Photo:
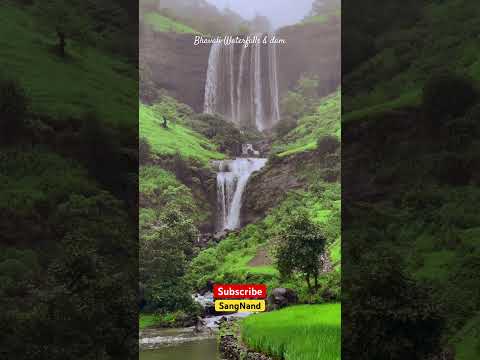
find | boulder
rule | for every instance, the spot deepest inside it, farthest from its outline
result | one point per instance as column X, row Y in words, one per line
column 281, row 297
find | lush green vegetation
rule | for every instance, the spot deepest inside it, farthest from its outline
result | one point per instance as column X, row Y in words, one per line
column 417, row 156
column 298, row 333
column 233, row 259
column 390, row 61
column 87, row 79
column 176, row 137
column 322, row 121
column 68, row 179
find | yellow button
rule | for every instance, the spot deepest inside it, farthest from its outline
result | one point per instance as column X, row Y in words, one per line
column 239, row 305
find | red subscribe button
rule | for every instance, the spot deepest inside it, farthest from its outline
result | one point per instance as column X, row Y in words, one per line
column 237, row 291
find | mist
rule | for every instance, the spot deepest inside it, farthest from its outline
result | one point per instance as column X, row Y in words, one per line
column 279, row 12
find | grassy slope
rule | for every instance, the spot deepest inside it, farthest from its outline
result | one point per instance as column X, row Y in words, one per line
column 325, row 120
column 400, row 69
column 309, row 332
column 161, row 23
column 177, row 138
column 87, row 79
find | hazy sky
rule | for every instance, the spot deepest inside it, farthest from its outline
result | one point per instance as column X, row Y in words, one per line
column 280, row 12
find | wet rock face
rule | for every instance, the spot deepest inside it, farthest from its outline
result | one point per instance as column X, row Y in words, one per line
column 176, row 65
column 179, row 67
column 268, row 187
column 311, row 49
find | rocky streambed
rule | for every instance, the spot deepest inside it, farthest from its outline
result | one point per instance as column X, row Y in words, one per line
column 231, row 346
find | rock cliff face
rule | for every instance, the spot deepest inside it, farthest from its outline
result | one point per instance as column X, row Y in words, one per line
column 267, row 188
column 181, row 68
column 176, row 65
column 311, row 49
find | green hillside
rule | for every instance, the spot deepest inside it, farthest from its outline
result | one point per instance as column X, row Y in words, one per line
column 406, row 56
column 176, row 138
column 324, row 120
column 415, row 186
column 87, row 78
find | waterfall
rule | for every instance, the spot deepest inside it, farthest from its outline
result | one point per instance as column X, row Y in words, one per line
column 212, row 76
column 272, row 57
column 242, row 83
column 257, row 78
column 232, row 179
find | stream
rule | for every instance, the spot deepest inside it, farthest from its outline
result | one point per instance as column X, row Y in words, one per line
column 184, row 343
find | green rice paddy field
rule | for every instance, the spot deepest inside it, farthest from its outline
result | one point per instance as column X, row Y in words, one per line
column 305, row 332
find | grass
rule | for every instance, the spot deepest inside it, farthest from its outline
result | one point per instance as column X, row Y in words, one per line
column 467, row 341
column 177, row 138
column 307, row 332
column 148, row 320
column 161, row 23
column 412, row 99
column 325, row 120
column 86, row 79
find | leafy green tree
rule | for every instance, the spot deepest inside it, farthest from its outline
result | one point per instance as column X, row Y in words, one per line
column 300, row 245
column 164, row 251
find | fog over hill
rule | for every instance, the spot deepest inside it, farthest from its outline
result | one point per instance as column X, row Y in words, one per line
column 279, row 12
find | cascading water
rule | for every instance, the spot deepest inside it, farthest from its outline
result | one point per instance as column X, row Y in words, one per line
column 232, row 179
column 242, row 83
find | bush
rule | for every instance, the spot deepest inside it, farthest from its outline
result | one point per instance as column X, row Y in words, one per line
column 285, row 126
column 144, row 151
column 13, row 108
column 448, row 96
column 327, row 144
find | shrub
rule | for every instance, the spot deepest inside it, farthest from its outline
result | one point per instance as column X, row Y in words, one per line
column 448, row 96
column 285, row 125
column 144, row 151
column 327, row 144
column 13, row 108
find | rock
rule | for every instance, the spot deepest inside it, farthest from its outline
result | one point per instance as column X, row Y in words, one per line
column 281, row 297
column 232, row 349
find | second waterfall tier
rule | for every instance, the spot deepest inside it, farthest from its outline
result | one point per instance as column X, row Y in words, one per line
column 232, row 179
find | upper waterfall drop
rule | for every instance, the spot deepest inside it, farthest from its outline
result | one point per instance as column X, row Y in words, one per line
column 242, row 83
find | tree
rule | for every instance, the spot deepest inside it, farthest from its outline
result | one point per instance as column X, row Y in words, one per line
column 164, row 249
column 66, row 19
column 300, row 246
